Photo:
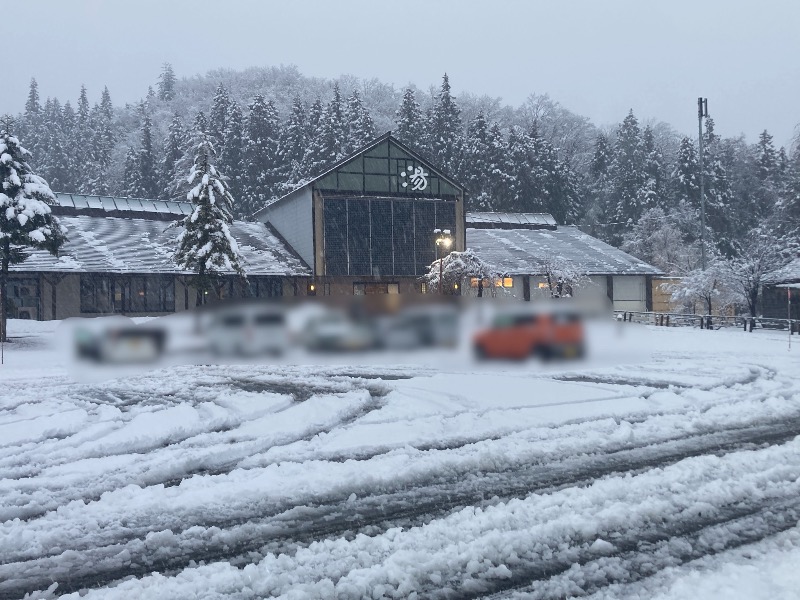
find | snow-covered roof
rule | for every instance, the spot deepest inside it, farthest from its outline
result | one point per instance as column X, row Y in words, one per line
column 519, row 251
column 83, row 202
column 482, row 219
column 103, row 244
column 787, row 273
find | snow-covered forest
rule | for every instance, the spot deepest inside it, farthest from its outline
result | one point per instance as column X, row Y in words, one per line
column 635, row 185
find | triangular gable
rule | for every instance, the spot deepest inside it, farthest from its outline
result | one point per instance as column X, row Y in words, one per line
column 387, row 167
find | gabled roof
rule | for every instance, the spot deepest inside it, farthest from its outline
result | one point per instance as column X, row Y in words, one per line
column 102, row 244
column 74, row 204
column 504, row 220
column 789, row 273
column 520, row 251
column 364, row 149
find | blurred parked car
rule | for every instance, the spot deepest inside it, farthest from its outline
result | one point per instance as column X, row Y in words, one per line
column 118, row 340
column 519, row 334
column 335, row 331
column 248, row 330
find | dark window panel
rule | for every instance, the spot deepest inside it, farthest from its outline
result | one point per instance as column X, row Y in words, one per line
column 381, row 219
column 358, row 224
column 403, row 231
column 424, row 224
column 335, row 232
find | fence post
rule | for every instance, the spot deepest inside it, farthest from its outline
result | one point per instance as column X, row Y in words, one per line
column 702, row 322
column 625, row 317
column 667, row 320
column 752, row 324
column 709, row 322
column 744, row 323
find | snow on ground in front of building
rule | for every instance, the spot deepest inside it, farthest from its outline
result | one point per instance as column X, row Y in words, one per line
column 668, row 464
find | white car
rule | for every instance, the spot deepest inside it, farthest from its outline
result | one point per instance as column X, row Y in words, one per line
column 248, row 330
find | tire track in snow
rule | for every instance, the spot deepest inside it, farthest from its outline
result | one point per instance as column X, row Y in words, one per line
column 282, row 531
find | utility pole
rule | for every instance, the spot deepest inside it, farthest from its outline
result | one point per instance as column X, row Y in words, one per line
column 702, row 111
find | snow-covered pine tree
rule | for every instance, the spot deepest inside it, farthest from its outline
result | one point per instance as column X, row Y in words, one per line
column 205, row 245
column 476, row 169
column 444, row 130
column 767, row 193
column 54, row 162
column 148, row 172
column 361, row 129
column 131, row 176
column 83, row 143
column 175, row 146
column 717, row 191
column 654, row 194
column 498, row 174
column 26, row 220
column 328, row 145
column 106, row 107
column 628, row 174
column 292, row 146
column 599, row 191
column 166, row 83
column 30, row 125
column 231, row 159
column 687, row 185
column 32, row 105
column 408, row 121
column 218, row 117
column 261, row 153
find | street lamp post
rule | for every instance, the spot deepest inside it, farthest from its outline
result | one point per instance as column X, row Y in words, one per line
column 443, row 240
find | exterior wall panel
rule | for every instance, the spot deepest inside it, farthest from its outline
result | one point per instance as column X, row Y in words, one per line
column 294, row 220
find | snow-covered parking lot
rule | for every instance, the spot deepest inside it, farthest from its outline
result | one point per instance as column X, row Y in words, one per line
column 669, row 468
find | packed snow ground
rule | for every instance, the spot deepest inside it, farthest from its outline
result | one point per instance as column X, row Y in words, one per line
column 667, row 467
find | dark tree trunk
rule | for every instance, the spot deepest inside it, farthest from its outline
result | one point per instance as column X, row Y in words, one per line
column 6, row 259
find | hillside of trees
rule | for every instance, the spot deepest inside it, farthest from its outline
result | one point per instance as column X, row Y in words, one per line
column 635, row 185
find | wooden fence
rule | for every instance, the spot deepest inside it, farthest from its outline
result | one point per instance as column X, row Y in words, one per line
column 708, row 321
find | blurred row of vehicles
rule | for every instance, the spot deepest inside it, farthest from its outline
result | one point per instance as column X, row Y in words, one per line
column 500, row 331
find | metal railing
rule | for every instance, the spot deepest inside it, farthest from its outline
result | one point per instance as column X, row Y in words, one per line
column 707, row 321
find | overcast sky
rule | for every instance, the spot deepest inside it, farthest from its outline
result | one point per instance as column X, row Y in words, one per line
column 598, row 58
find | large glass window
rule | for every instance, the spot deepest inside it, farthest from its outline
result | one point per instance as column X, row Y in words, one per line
column 381, row 219
column 358, row 242
column 403, row 229
column 425, row 245
column 335, row 231
column 383, row 237
column 127, row 293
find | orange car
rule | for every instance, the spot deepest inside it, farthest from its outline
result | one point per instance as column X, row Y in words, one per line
column 522, row 334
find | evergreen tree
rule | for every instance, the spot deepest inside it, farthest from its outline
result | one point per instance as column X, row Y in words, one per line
column 55, row 162
column 292, row 146
column 101, row 152
column 83, row 143
column 497, row 173
column 232, row 159
column 329, row 145
column 628, row 174
column 32, row 106
column 444, row 130
column 261, row 152
column 476, row 169
column 408, row 120
column 166, row 83
column 148, row 173
column 200, row 123
column 205, row 245
column 175, row 145
column 359, row 123
column 131, row 177
column 218, row 117
column 599, row 190
column 106, row 108
column 766, row 158
column 686, row 174
column 654, row 195
column 26, row 220
column 717, row 191
column 314, row 119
